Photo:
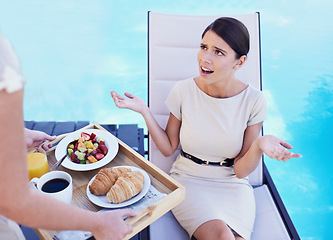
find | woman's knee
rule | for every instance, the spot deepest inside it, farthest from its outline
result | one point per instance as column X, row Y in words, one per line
column 214, row 229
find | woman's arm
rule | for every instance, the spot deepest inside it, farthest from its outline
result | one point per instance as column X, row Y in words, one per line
column 166, row 140
column 253, row 148
column 24, row 205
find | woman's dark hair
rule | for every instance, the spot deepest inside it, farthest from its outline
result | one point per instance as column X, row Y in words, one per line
column 233, row 32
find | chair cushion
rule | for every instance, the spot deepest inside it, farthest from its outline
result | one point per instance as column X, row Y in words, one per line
column 268, row 223
column 166, row 228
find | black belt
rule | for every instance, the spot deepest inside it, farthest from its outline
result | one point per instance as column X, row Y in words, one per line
column 228, row 162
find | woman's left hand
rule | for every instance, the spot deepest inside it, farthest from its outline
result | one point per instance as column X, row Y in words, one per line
column 276, row 148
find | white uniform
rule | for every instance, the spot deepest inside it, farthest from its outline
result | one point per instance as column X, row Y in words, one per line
column 213, row 129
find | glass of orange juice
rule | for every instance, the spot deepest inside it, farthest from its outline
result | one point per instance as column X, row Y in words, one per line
column 37, row 163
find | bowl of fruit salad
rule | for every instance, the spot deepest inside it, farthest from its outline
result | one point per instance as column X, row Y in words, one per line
column 87, row 149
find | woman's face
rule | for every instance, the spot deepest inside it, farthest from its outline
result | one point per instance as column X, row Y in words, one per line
column 217, row 60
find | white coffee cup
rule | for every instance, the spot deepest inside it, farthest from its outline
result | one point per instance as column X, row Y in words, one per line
column 58, row 184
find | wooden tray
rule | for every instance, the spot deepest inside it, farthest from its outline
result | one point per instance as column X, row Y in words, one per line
column 126, row 157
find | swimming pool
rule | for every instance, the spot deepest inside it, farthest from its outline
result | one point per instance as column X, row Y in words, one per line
column 73, row 52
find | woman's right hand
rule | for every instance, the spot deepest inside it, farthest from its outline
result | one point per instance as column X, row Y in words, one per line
column 130, row 101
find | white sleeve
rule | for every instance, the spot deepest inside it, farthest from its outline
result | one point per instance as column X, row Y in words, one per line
column 11, row 78
column 173, row 102
column 258, row 113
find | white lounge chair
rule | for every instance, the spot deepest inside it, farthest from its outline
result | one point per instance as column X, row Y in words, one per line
column 174, row 42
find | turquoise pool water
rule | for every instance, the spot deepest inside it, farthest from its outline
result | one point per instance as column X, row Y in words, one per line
column 73, row 52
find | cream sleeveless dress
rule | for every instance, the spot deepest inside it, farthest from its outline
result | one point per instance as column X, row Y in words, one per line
column 213, row 129
column 11, row 80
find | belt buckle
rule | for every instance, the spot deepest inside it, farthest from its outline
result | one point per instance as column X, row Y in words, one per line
column 206, row 163
column 222, row 162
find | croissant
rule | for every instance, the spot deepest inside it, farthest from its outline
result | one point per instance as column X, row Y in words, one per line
column 105, row 179
column 127, row 186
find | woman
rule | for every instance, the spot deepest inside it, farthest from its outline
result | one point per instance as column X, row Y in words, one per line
column 217, row 120
column 19, row 202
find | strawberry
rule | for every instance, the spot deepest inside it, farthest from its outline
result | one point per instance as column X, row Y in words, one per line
column 99, row 156
column 103, row 148
column 86, row 136
column 92, row 136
